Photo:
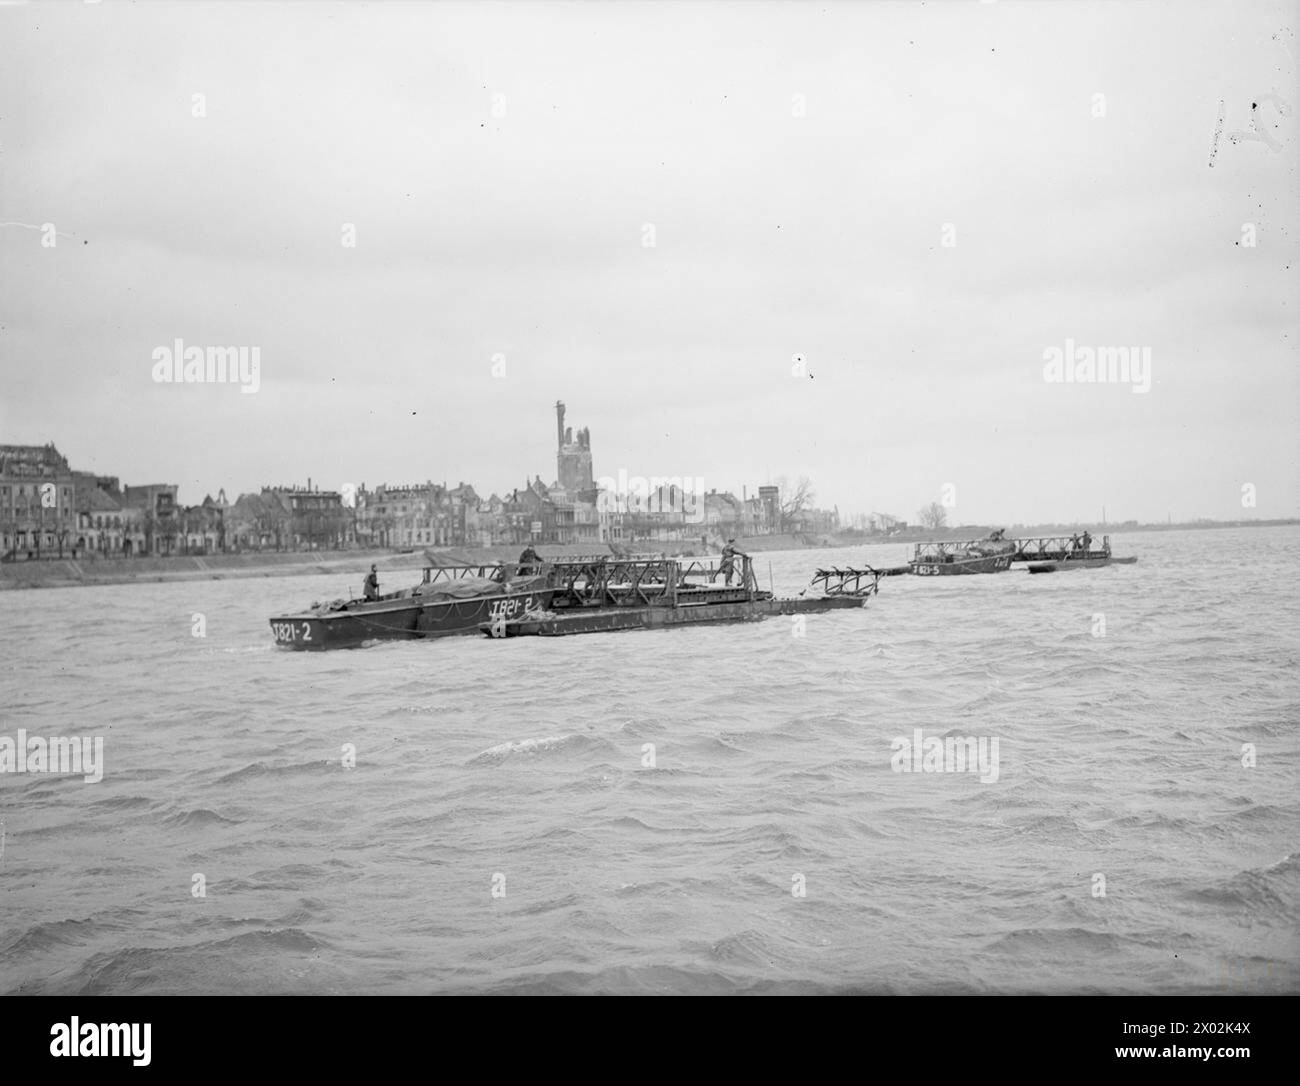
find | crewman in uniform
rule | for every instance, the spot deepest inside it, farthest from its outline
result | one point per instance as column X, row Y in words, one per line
column 1087, row 542
column 528, row 559
column 372, row 583
column 728, row 565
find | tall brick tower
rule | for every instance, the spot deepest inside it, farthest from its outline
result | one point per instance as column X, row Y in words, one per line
column 572, row 458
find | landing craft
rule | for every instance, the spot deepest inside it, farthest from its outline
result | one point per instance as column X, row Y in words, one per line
column 585, row 595
column 450, row 600
column 992, row 555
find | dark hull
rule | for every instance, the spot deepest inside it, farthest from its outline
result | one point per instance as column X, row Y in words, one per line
column 346, row 629
column 452, row 617
column 1067, row 564
column 610, row 619
column 987, row 563
column 407, row 619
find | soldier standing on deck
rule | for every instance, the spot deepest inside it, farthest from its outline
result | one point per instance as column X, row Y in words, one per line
column 728, row 565
column 372, row 584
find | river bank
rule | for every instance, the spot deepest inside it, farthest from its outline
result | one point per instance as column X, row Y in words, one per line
column 70, row 573
column 79, row 572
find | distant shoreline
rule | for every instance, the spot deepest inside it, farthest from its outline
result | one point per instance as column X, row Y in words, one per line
column 1021, row 531
column 82, row 572
column 70, row 573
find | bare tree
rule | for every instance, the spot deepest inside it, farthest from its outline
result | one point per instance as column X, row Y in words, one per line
column 129, row 526
column 794, row 501
column 150, row 529
column 167, row 533
column 933, row 516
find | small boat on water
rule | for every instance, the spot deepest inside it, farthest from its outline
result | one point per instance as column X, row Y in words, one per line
column 1062, row 555
column 450, row 600
column 1083, row 561
column 954, row 564
column 992, row 555
column 1045, row 554
column 572, row 596
column 605, row 597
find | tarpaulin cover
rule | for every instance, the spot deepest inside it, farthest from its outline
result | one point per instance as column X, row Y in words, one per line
column 464, row 588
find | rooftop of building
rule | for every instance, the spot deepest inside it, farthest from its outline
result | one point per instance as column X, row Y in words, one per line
column 14, row 458
column 95, row 500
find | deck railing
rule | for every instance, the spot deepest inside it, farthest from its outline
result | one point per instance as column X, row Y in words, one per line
column 1033, row 549
column 626, row 582
column 1058, row 546
column 434, row 574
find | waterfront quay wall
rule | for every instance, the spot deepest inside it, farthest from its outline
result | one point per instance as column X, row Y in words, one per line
column 68, row 572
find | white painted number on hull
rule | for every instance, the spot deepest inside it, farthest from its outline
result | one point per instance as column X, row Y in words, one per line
column 291, row 631
column 510, row 606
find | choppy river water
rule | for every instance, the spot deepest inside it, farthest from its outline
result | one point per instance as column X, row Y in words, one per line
column 503, row 830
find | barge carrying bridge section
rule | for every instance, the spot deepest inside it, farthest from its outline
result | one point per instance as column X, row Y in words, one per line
column 1047, row 548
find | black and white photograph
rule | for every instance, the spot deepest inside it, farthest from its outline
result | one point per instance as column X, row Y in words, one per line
column 690, row 498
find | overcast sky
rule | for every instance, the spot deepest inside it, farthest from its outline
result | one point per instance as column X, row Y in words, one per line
column 800, row 165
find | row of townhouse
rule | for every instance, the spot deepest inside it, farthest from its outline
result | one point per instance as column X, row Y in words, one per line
column 668, row 515
column 430, row 514
column 416, row 515
column 289, row 518
column 49, row 509
column 435, row 515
